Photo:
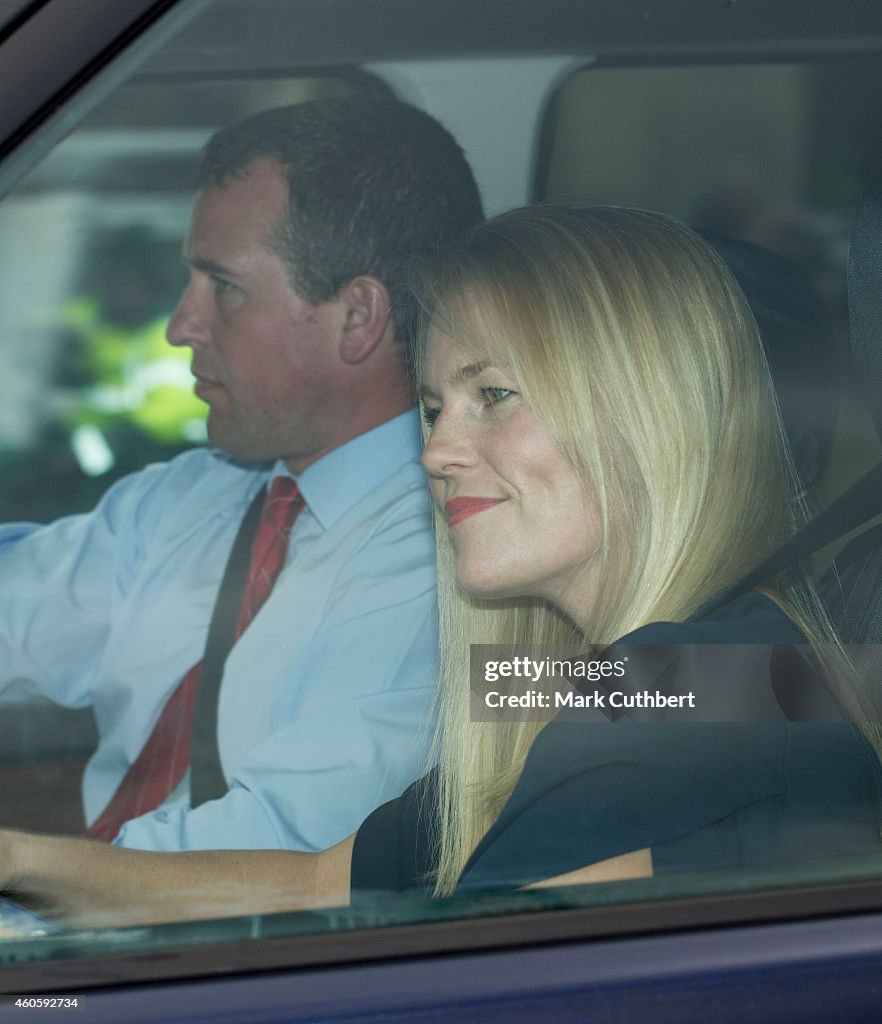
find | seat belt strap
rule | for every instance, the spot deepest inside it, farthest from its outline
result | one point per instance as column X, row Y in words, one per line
column 207, row 780
column 856, row 506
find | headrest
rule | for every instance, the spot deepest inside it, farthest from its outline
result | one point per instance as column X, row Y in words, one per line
column 865, row 299
column 798, row 339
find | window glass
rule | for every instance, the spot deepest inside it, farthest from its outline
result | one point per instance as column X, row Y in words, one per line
column 9, row 9
column 92, row 390
column 104, row 217
column 91, row 240
column 776, row 155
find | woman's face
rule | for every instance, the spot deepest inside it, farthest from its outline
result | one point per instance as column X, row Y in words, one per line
column 521, row 522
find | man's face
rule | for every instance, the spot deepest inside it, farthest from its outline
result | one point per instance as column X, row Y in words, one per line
column 265, row 359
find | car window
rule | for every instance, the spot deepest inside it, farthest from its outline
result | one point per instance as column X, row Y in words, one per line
column 772, row 154
column 10, row 9
column 765, row 147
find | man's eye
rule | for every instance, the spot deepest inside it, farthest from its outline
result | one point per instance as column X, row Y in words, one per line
column 493, row 396
column 222, row 287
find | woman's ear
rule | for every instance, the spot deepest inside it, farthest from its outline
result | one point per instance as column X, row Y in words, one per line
column 368, row 316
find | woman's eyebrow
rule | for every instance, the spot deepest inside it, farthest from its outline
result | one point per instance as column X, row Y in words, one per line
column 460, row 374
column 469, row 371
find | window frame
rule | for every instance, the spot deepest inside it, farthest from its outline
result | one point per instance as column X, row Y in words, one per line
column 56, row 49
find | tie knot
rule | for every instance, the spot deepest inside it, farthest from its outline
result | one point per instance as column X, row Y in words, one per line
column 282, row 503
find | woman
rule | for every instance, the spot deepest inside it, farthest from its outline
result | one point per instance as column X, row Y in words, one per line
column 604, row 450
column 604, row 442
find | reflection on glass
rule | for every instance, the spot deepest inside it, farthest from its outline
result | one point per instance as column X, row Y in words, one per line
column 90, row 244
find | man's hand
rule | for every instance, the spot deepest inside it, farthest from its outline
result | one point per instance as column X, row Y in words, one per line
column 12, row 855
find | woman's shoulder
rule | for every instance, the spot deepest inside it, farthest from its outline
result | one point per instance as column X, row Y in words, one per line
column 751, row 618
column 394, row 848
column 759, row 747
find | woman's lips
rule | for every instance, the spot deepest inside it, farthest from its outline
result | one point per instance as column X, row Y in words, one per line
column 458, row 509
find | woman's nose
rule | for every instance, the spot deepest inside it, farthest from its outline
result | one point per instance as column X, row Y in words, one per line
column 449, row 447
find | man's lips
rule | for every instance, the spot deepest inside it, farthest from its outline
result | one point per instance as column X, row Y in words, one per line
column 204, row 386
column 458, row 509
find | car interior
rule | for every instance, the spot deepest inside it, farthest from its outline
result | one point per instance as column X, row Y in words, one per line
column 759, row 126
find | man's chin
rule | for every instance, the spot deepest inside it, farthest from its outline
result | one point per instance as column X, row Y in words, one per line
column 236, row 443
column 224, row 435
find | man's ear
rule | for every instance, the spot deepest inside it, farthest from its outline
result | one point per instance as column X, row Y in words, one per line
column 368, row 315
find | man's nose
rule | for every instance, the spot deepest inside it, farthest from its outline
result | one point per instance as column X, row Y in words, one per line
column 188, row 324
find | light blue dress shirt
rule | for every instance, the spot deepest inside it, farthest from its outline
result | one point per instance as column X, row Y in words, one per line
column 324, row 705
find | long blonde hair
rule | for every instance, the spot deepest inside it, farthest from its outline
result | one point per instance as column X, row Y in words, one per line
column 630, row 340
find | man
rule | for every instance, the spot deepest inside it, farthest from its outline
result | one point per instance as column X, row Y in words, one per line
column 304, row 223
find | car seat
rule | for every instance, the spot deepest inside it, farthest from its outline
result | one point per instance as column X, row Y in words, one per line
column 798, row 339
column 852, row 587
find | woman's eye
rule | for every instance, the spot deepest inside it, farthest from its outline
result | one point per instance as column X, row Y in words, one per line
column 493, row 396
column 430, row 415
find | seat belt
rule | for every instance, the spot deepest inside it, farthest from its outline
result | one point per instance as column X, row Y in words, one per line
column 854, row 507
column 207, row 780
column 865, row 299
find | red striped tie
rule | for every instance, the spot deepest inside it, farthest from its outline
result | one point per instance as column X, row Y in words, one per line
column 165, row 757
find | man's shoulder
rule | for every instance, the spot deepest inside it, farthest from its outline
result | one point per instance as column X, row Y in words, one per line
column 198, row 468
column 203, row 479
column 375, row 477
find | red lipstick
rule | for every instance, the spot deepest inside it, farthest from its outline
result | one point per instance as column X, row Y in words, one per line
column 458, row 509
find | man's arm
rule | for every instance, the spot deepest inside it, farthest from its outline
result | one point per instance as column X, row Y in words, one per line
column 59, row 584
column 82, row 884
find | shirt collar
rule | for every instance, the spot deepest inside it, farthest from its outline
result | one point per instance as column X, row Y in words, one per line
column 342, row 478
